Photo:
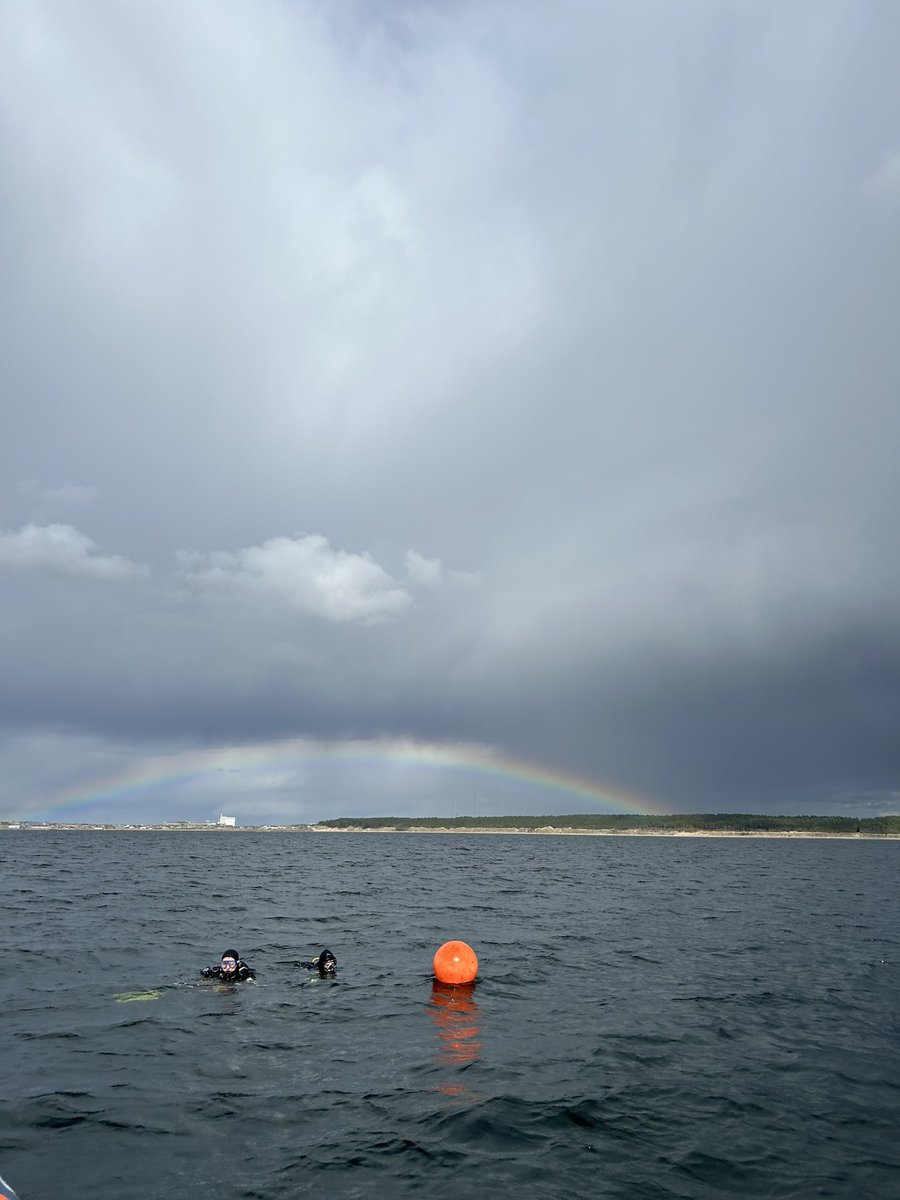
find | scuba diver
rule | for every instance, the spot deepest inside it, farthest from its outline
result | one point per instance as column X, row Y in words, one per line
column 325, row 964
column 230, row 970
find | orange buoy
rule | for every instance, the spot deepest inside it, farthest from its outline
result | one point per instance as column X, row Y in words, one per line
column 455, row 962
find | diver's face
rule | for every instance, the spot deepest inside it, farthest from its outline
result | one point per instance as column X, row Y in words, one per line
column 329, row 966
column 229, row 966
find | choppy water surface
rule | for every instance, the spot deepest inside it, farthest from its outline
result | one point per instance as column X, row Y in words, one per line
column 654, row 1017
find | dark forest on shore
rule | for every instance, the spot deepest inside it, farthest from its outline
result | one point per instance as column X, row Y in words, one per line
column 629, row 822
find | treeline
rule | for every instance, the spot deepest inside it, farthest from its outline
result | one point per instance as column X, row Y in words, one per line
column 620, row 823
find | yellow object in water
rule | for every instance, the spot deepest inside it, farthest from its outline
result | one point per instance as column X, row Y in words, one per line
column 128, row 997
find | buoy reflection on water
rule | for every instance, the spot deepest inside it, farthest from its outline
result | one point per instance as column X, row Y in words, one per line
column 456, row 1017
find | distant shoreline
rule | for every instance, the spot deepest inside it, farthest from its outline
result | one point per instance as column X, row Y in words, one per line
column 667, row 833
column 544, row 831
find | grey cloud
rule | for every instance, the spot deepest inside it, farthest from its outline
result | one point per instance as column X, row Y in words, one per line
column 46, row 503
column 61, row 549
column 423, row 570
column 301, row 573
column 592, row 307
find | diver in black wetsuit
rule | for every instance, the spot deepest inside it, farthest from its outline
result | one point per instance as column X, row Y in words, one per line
column 325, row 964
column 230, row 970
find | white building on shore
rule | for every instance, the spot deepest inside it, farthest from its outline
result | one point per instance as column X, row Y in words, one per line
column 229, row 821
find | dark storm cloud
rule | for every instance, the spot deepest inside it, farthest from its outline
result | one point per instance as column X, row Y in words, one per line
column 525, row 378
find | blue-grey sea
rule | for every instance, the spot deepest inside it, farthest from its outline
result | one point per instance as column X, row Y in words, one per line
column 654, row 1017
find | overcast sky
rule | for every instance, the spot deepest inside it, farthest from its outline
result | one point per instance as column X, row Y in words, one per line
column 393, row 383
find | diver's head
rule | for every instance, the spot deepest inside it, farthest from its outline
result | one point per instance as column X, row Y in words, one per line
column 229, row 963
column 327, row 963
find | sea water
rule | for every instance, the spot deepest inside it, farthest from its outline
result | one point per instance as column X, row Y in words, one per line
column 654, row 1017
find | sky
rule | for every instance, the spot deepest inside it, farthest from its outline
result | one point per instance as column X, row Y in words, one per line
column 448, row 408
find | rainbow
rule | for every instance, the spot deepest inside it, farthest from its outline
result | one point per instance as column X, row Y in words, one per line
column 167, row 772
